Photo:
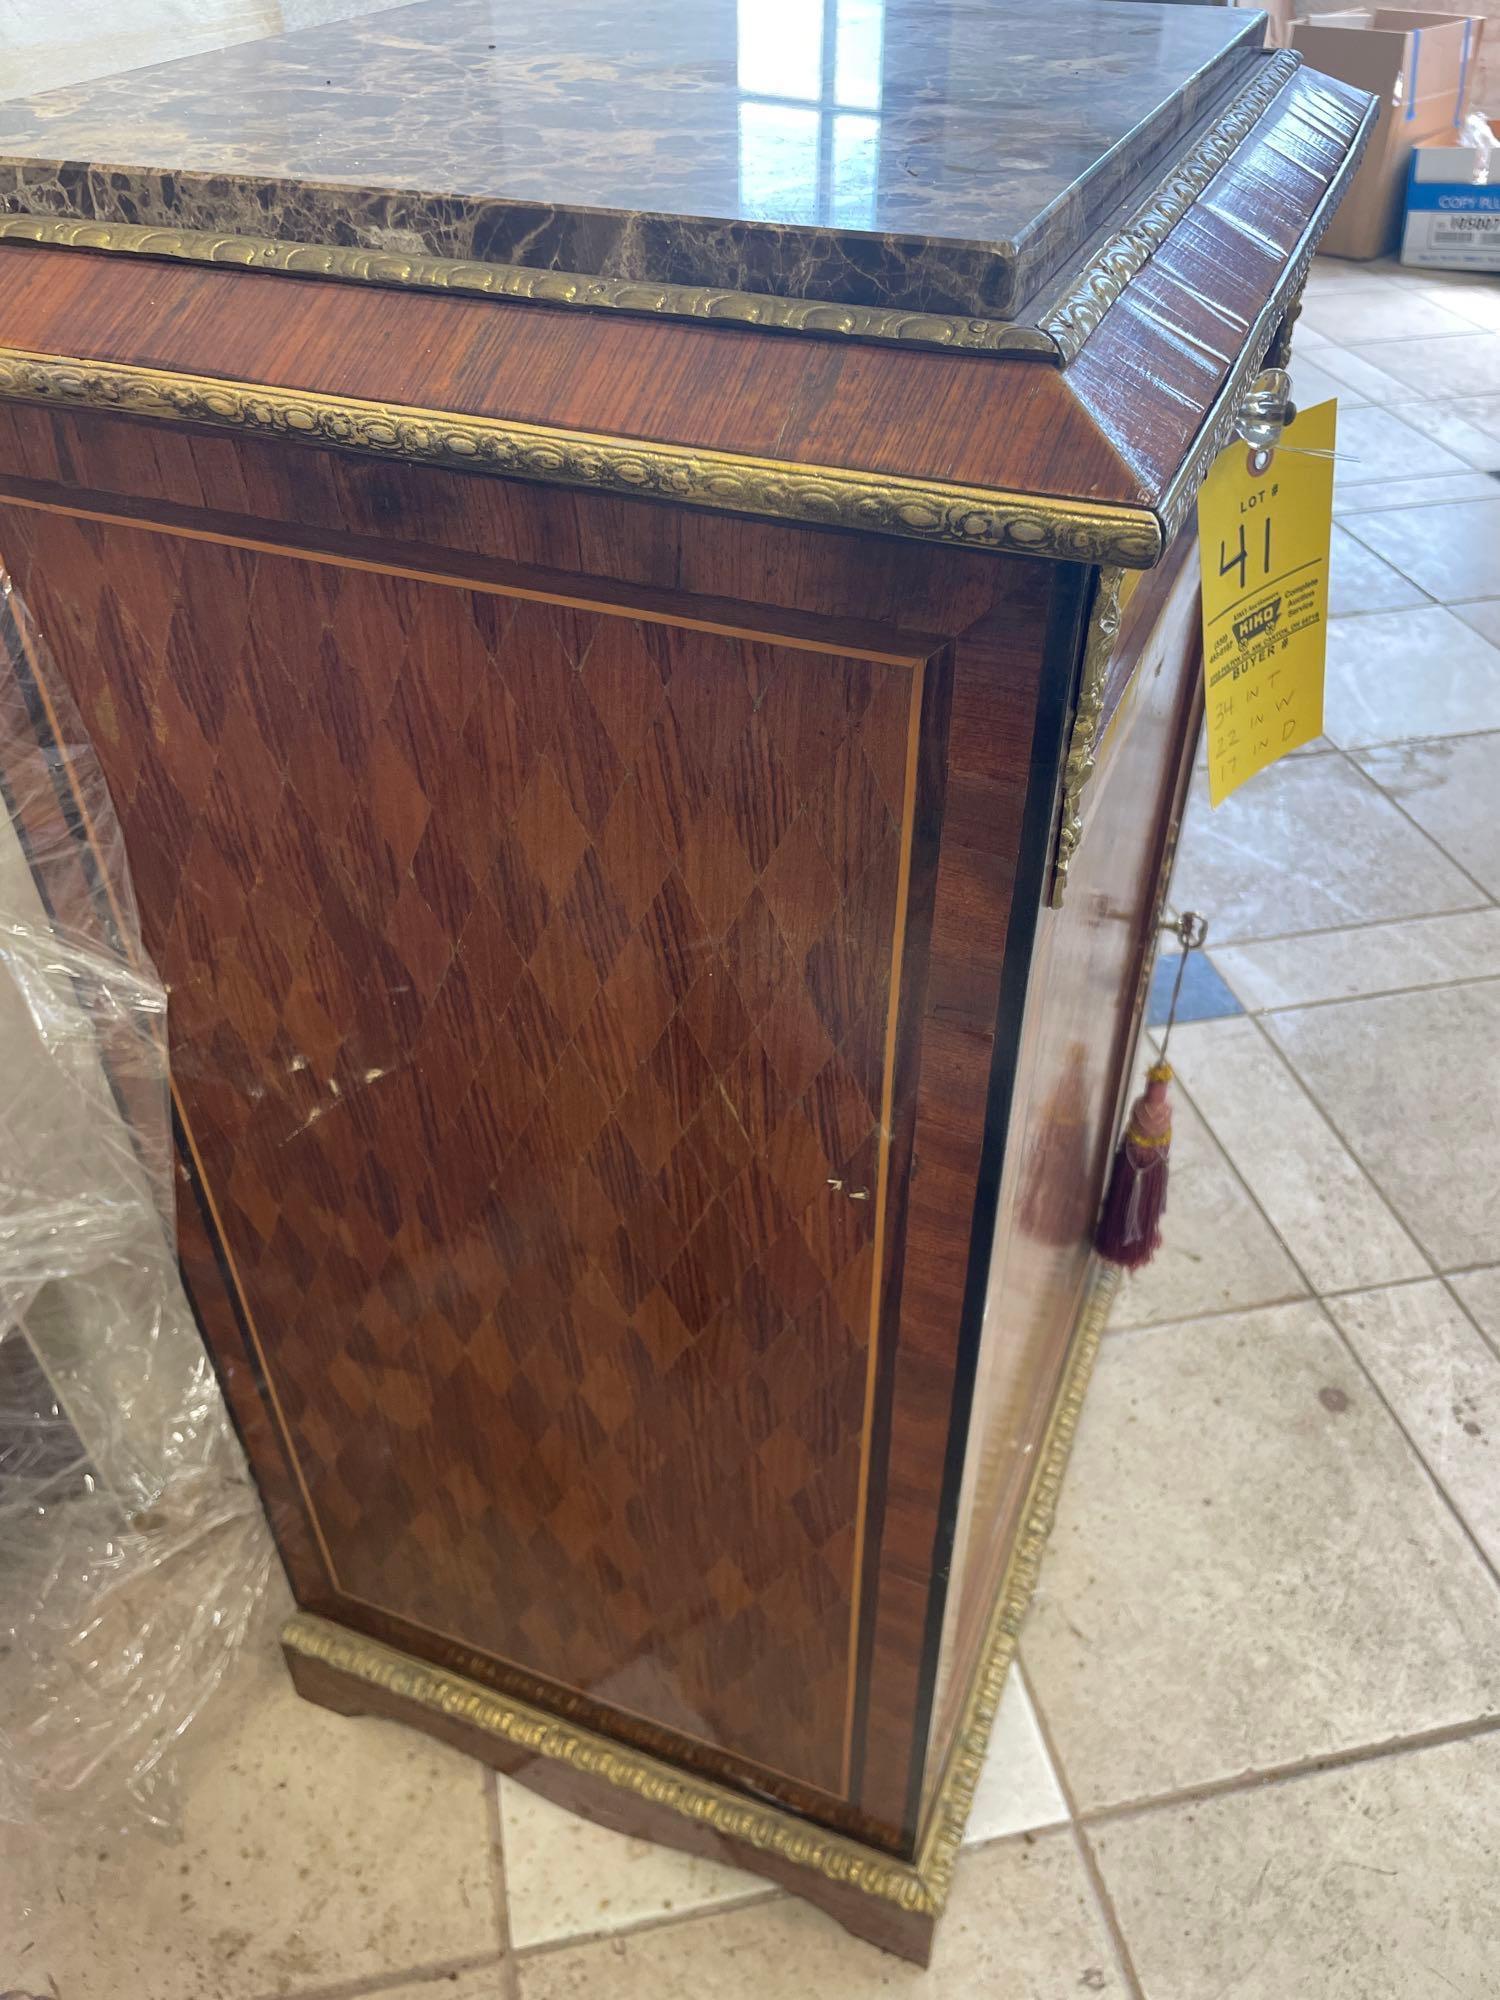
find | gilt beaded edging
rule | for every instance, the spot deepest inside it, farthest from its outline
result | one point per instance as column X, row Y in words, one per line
column 1069, row 320
column 815, row 495
column 420, row 270
column 1062, row 327
column 1271, row 333
column 1083, row 738
column 955, row 1794
column 921, row 1886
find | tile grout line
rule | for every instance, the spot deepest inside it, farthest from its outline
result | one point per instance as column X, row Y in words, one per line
column 1279, row 1054
column 1318, row 1298
column 1353, row 750
column 1293, row 1773
column 1390, row 1409
column 1446, row 1281
column 386, row 1982
column 1463, row 980
column 1434, row 1269
column 1397, row 340
column 1434, row 1277
column 1411, row 506
column 1313, row 1291
column 510, row 1979
column 664, row 1920
column 1083, row 1847
column 1467, row 873
column 1339, row 1334
column 1391, row 562
column 1115, row 1332
column 1248, row 938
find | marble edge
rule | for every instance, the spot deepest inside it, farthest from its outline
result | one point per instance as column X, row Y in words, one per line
column 1075, row 311
column 964, row 251
column 426, row 271
column 1056, row 332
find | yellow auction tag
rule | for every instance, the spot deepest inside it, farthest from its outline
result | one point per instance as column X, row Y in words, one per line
column 1264, row 520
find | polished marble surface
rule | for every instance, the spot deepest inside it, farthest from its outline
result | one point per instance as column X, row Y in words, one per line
column 941, row 155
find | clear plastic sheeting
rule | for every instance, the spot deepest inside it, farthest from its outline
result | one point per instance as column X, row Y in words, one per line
column 134, row 1556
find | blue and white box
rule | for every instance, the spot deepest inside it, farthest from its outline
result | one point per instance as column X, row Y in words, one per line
column 1452, row 224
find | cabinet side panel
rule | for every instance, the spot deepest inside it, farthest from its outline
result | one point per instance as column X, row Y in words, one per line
column 519, row 535
column 532, row 976
column 998, row 670
column 1076, row 1042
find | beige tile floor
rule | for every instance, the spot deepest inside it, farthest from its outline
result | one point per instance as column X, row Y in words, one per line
column 1252, row 1751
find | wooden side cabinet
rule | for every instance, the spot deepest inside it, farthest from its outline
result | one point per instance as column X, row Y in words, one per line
column 654, row 832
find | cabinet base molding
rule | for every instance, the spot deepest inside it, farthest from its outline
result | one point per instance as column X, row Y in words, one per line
column 891, row 1902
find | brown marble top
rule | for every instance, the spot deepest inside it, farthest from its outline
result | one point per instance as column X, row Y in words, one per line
column 936, row 156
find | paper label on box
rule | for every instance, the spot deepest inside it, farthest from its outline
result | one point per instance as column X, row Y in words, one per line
column 1450, row 224
column 1264, row 522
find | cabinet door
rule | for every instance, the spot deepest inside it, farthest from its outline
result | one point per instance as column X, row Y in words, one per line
column 534, row 975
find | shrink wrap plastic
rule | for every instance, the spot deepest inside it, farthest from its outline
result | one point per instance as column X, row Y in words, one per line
column 134, row 1556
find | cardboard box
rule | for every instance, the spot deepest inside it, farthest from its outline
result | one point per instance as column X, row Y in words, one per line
column 1421, row 67
column 1451, row 224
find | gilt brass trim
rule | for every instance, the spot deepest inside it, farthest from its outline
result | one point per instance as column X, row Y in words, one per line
column 1059, row 332
column 954, row 1797
column 921, row 1886
column 1070, row 319
column 1218, row 427
column 542, row 1735
column 1083, row 740
column 931, row 511
column 420, row 270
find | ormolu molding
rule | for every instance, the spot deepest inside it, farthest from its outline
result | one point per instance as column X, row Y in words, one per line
column 1083, row 742
column 1059, row 331
column 955, row 1794
column 543, row 1735
column 921, row 1886
column 1070, row 319
column 1279, row 310
column 827, row 496
column 426, row 271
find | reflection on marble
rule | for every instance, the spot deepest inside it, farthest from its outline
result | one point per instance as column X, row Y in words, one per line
column 48, row 43
column 937, row 155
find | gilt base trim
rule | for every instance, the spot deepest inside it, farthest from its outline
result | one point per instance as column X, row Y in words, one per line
column 526, row 1740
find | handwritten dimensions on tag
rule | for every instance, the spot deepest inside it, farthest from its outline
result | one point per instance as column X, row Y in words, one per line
column 1264, row 521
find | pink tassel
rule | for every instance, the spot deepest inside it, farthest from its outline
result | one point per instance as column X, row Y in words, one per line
column 1129, row 1232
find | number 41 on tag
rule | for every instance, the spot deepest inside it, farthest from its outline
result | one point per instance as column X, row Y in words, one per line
column 1264, row 521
